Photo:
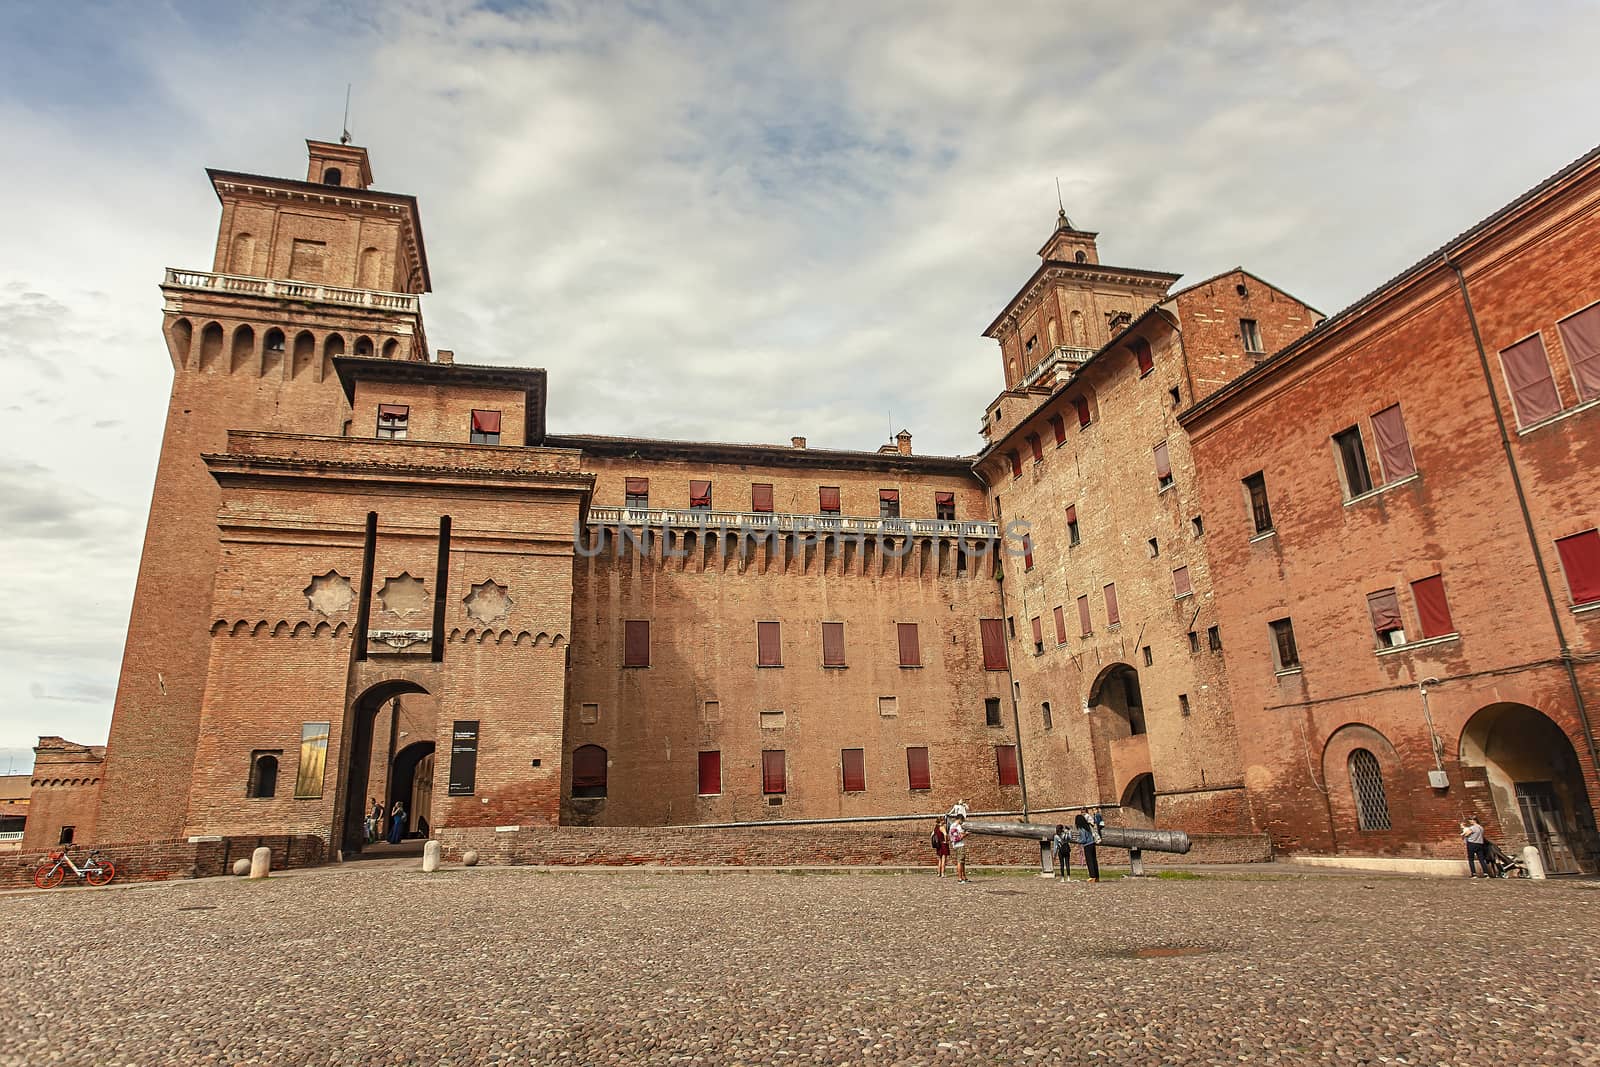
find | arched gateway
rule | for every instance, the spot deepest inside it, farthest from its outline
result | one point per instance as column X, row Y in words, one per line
column 391, row 743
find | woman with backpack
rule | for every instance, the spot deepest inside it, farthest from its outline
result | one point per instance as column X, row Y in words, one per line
column 941, row 844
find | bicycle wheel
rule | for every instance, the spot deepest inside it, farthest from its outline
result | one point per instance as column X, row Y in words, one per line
column 102, row 874
column 49, row 875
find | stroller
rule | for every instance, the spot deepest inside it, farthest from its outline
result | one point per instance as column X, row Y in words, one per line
column 1503, row 865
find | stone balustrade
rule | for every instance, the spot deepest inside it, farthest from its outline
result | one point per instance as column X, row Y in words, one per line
column 405, row 303
column 762, row 522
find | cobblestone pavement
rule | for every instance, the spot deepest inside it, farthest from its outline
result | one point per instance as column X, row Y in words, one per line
column 502, row 966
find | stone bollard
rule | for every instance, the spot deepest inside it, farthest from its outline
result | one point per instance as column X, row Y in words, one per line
column 1136, row 862
column 469, row 858
column 261, row 862
column 430, row 856
column 1047, row 860
column 241, row 866
column 1533, row 861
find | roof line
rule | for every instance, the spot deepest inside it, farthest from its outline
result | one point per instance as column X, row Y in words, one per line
column 1248, row 274
column 1049, row 263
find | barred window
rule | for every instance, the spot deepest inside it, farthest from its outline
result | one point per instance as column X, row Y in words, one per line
column 1366, row 782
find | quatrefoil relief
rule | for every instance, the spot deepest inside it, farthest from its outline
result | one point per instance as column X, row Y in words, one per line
column 404, row 595
column 488, row 602
column 329, row 593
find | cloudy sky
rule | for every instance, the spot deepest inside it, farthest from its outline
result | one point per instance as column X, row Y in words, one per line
column 734, row 222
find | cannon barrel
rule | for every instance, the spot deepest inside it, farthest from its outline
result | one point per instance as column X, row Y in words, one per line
column 1112, row 836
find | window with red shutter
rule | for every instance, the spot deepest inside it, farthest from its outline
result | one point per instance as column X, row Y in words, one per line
column 1394, row 446
column 636, row 643
column 1141, row 353
column 918, row 775
column 1580, row 336
column 1533, row 389
column 393, row 420
column 1005, row 758
column 772, row 771
column 888, row 503
column 828, row 499
column 710, row 774
column 1387, row 626
column 761, row 497
column 910, row 649
column 1036, row 447
column 1082, row 404
column 1580, row 561
column 769, row 645
column 853, row 761
column 944, row 506
column 1027, row 552
column 833, row 644
column 993, row 633
column 1058, row 426
column 1432, row 608
column 1038, row 636
column 1163, row 466
column 636, row 493
column 1072, row 524
column 700, row 494
column 1085, row 625
column 1180, row 583
column 485, row 427
column 1112, row 616
column 1061, row 626
column 1016, row 463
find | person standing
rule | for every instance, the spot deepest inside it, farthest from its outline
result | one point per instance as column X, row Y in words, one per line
column 941, row 844
column 958, row 847
column 1084, row 834
column 1477, row 848
column 397, row 822
column 1062, row 843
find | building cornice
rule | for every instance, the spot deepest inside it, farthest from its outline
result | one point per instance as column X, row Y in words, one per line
column 531, row 380
column 763, row 455
column 1055, row 270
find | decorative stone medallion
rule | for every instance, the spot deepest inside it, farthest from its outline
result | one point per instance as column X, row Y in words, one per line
column 488, row 602
column 404, row 595
column 329, row 593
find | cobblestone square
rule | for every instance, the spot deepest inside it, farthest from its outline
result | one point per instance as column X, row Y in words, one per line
column 386, row 965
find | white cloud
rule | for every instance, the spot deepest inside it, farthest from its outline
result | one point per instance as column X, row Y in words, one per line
column 733, row 221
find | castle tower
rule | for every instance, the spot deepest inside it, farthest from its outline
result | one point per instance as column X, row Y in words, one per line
column 303, row 271
column 1071, row 307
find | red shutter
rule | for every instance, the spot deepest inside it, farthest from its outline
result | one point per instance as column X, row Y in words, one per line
column 1085, row 625
column 1016, row 464
column 1005, row 758
column 853, row 761
column 828, row 498
column 1163, row 462
column 769, row 645
column 833, row 644
column 891, row 496
column 944, row 498
column 1580, row 336
column 1394, row 447
column 485, row 421
column 1141, row 352
column 1036, row 447
column 710, row 773
column 1533, row 390
column 1072, row 514
column 393, row 411
column 1180, row 582
column 1027, row 553
column 917, row 774
column 1580, row 559
column 1112, row 616
column 1384, row 608
column 761, row 498
column 910, row 650
column 699, row 494
column 636, row 643
column 638, row 487
column 1061, row 626
column 1038, row 632
column 772, row 778
column 1059, row 425
column 994, row 644
column 1082, row 404
column 1432, row 607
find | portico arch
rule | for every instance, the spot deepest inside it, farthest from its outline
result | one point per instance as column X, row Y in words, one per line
column 358, row 757
column 1117, row 688
column 1535, row 784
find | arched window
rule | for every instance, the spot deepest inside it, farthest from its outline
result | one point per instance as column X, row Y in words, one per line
column 1366, row 782
column 589, row 771
column 363, row 346
column 1079, row 338
column 274, row 341
column 331, row 176
column 1080, row 257
column 263, row 775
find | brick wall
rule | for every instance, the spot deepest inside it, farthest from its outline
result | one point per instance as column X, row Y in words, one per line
column 158, row 861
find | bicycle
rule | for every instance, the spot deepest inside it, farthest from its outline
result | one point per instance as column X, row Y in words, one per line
column 53, row 871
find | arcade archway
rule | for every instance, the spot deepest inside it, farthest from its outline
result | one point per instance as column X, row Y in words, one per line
column 1535, row 784
column 1139, row 801
column 361, row 785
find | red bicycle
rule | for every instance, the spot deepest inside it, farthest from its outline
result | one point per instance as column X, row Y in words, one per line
column 53, row 871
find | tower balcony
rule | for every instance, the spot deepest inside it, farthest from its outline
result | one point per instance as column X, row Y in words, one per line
column 760, row 523
column 1062, row 358
column 311, row 292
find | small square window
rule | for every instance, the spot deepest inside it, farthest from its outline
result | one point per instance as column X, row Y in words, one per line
column 888, row 503
column 393, row 421
column 588, row 713
column 485, row 427
column 66, row 835
column 711, row 711
column 1154, row 547
column 888, row 707
column 991, row 711
column 1194, row 641
column 772, row 719
column 1198, row 525
column 1250, row 334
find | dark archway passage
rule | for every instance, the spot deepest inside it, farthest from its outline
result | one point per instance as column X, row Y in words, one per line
column 1139, row 801
column 1117, row 688
column 411, row 782
column 358, row 759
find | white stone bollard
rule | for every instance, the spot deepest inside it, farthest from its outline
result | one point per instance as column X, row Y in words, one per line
column 241, row 866
column 469, row 858
column 1533, row 861
column 261, row 862
column 430, row 855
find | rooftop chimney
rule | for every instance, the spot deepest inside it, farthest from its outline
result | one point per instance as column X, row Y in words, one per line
column 797, row 442
column 902, row 442
column 445, row 355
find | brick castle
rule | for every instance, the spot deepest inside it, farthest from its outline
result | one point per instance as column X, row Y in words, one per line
column 1223, row 562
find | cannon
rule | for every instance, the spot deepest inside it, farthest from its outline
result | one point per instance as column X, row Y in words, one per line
column 1135, row 840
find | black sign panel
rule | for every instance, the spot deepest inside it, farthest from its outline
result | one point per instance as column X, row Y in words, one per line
column 464, row 758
